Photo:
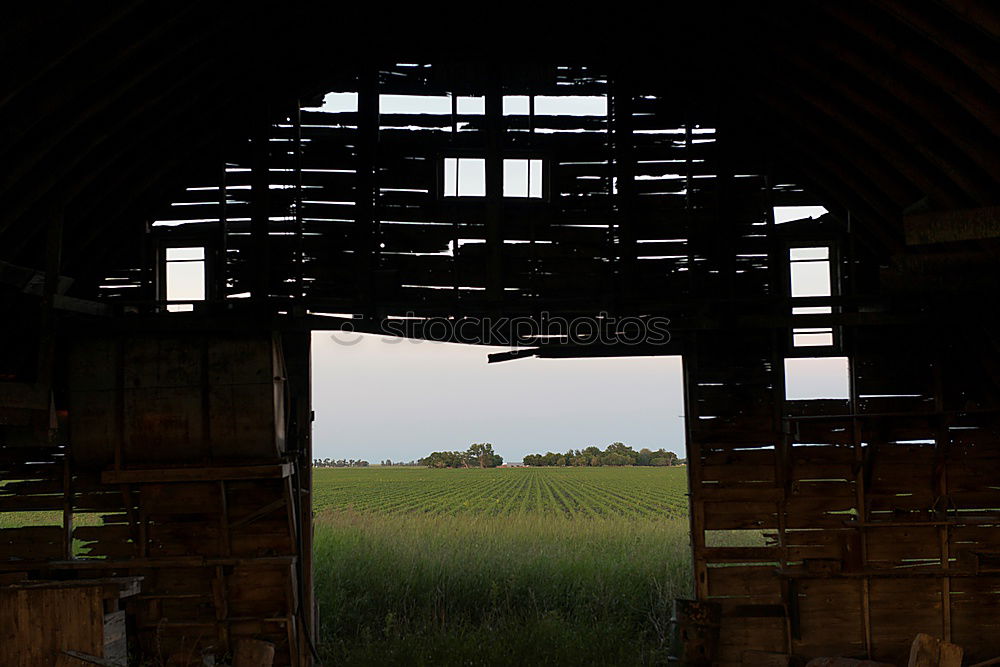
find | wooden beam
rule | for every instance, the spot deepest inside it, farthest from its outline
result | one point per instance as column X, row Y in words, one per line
column 113, row 587
column 969, row 224
column 931, row 117
column 68, row 171
column 139, row 563
column 868, row 139
column 208, row 473
column 949, row 45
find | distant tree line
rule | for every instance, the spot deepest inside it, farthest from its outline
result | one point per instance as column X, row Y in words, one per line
column 339, row 463
column 616, row 454
column 479, row 455
column 390, row 462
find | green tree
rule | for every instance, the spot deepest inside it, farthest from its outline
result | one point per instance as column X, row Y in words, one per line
column 482, row 453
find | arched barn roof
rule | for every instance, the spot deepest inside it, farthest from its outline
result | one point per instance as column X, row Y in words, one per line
column 881, row 107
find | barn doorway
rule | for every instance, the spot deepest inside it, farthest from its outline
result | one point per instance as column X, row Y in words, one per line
column 580, row 532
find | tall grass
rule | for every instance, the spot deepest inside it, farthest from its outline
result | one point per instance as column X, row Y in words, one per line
column 473, row 590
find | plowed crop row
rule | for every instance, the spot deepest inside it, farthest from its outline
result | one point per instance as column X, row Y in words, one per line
column 573, row 492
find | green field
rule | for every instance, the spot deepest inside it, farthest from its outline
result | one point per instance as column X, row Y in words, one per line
column 522, row 566
column 604, row 492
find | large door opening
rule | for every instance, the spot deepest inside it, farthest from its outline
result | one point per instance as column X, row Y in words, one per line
column 572, row 551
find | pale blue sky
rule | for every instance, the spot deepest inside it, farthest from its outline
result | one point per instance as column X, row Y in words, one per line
column 401, row 400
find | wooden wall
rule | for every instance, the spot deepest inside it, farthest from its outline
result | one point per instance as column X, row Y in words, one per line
column 878, row 513
column 185, row 465
column 354, row 220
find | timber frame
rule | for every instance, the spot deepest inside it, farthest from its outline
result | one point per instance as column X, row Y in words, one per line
column 174, row 449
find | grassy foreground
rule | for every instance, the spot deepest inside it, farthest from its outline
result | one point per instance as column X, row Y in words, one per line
column 528, row 589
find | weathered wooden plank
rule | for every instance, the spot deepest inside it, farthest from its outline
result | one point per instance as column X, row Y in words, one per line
column 739, row 473
column 756, row 581
column 738, row 635
column 818, row 512
column 246, row 423
column 950, row 226
column 260, row 543
column 181, row 498
column 189, row 474
column 98, row 502
column 740, row 554
column 743, row 457
column 827, row 489
column 829, row 618
column 253, row 653
column 725, row 515
column 163, row 424
column 95, row 425
column 116, row 532
column 115, row 638
column 753, row 658
column 36, row 624
column 746, row 493
column 896, row 545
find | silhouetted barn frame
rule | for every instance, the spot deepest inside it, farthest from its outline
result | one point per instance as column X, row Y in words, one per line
column 170, row 451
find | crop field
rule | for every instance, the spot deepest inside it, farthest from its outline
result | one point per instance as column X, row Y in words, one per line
column 602, row 492
column 503, row 566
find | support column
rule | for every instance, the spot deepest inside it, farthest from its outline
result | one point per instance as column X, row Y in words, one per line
column 494, row 188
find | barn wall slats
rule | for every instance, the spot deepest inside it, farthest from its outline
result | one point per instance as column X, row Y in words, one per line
column 867, row 518
column 356, row 206
column 880, row 512
column 197, row 503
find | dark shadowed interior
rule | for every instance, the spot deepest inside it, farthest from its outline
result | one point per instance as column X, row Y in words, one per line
column 190, row 190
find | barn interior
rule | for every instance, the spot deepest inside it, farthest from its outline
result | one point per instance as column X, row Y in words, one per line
column 190, row 191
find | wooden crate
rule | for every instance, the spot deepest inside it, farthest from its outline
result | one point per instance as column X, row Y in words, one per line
column 41, row 620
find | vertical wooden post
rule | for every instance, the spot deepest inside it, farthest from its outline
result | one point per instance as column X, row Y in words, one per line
column 119, row 402
column 366, row 218
column 223, row 257
column 297, row 352
column 253, row 653
column 624, row 170
column 859, row 490
column 67, row 510
column 783, row 475
column 53, row 265
column 46, row 361
column 455, row 230
column 942, row 442
column 697, row 506
column 494, row 187
column 689, row 205
column 224, row 536
column 260, row 208
column 217, row 282
column 728, row 213
column 299, row 261
column 220, row 600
